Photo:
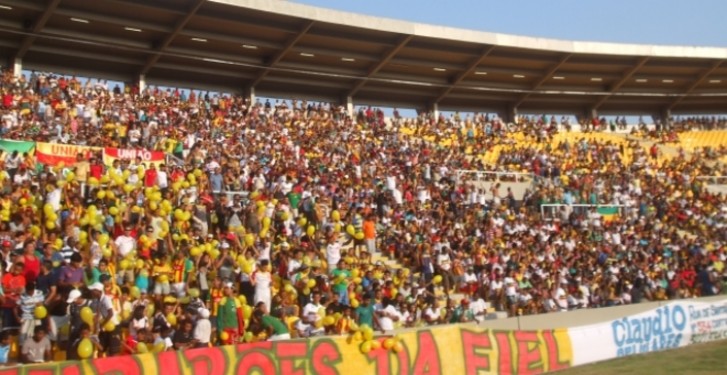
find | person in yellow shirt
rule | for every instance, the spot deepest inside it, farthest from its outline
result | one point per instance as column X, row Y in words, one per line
column 121, row 130
column 162, row 272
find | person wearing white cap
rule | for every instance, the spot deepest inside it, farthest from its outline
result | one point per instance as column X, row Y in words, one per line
column 104, row 308
column 76, row 301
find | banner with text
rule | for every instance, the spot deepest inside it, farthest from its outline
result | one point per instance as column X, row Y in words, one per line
column 439, row 350
column 147, row 157
column 55, row 154
column 670, row 326
column 450, row 349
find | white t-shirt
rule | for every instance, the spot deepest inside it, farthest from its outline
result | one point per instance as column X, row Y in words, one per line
column 333, row 254
column 386, row 321
column 162, row 179
column 125, row 245
column 203, row 331
column 312, row 309
column 432, row 313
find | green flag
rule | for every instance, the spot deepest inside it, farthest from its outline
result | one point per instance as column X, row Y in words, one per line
column 19, row 146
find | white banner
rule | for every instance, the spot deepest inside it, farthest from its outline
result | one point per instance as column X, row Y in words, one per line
column 673, row 325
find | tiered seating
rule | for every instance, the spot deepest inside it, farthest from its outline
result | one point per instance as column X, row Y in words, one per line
column 700, row 139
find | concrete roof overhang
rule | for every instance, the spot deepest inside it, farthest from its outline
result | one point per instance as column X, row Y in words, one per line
column 285, row 49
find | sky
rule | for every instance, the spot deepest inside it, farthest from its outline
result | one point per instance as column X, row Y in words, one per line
column 670, row 22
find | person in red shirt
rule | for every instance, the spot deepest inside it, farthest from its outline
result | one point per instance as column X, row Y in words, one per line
column 13, row 286
column 150, row 176
column 30, row 261
column 96, row 169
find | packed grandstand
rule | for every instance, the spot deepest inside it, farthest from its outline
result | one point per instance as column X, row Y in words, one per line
column 269, row 221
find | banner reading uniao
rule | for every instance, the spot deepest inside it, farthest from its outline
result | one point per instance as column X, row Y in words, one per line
column 439, row 350
column 671, row 326
column 147, row 157
column 55, row 154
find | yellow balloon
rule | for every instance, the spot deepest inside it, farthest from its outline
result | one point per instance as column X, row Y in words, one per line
column 366, row 347
column 302, row 222
column 247, row 337
column 101, row 194
column 354, row 303
column 350, row 229
column 266, row 222
column 437, row 279
column 389, row 343
column 246, row 311
column 87, row 315
column 85, row 349
column 224, row 336
column 124, row 264
column 329, row 321
column 397, row 347
column 335, row 215
column 109, row 326
column 40, row 312
column 249, row 239
column 103, row 239
column 141, row 348
column 311, row 283
column 159, row 347
column 368, row 333
column 375, row 344
column 311, row 230
column 172, row 319
column 359, row 236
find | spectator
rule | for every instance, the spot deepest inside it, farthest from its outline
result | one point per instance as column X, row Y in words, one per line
column 38, row 348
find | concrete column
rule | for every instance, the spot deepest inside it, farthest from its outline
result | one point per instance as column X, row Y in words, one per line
column 250, row 95
column 349, row 105
column 665, row 118
column 17, row 67
column 435, row 111
column 142, row 83
column 510, row 115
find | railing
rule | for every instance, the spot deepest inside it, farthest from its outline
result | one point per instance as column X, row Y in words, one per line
column 549, row 211
column 712, row 180
column 489, row 176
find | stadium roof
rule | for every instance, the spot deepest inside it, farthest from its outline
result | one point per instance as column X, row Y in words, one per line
column 284, row 49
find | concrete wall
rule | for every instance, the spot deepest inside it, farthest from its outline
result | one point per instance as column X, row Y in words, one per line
column 578, row 318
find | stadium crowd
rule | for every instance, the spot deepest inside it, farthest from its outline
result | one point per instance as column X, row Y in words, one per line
column 280, row 220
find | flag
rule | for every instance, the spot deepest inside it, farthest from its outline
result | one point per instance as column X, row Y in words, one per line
column 608, row 213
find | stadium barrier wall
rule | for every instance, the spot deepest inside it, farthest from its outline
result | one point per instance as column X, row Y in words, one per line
column 451, row 349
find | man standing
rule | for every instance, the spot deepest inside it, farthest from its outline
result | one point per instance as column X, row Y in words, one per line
column 369, row 231
column 229, row 316
column 104, row 310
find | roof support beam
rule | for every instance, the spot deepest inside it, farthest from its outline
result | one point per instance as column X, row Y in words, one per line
column 37, row 28
column 471, row 67
column 283, row 51
column 181, row 23
column 376, row 67
column 702, row 77
column 625, row 78
column 546, row 77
